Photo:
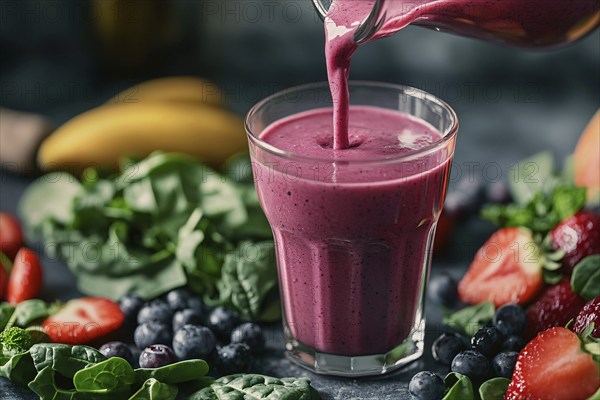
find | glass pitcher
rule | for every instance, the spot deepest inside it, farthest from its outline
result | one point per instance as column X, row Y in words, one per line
column 524, row 23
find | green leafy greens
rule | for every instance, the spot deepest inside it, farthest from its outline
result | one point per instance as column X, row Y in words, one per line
column 59, row 371
column 164, row 222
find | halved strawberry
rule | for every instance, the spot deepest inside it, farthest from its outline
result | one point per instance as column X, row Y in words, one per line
column 555, row 365
column 506, row 269
column 556, row 306
column 25, row 280
column 578, row 236
column 589, row 314
column 11, row 235
column 83, row 320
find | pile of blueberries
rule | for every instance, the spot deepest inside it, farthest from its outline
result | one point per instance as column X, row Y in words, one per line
column 491, row 352
column 180, row 326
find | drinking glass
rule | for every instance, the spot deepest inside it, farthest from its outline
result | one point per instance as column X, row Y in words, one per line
column 353, row 237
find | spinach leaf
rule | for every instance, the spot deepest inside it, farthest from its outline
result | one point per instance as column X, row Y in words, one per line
column 64, row 358
column 164, row 222
column 585, row 280
column 50, row 198
column 248, row 277
column 155, row 390
column 6, row 312
column 252, row 386
column 19, row 368
column 180, row 372
column 44, row 385
column 108, row 376
column 494, row 389
column 470, row 319
column 459, row 387
column 153, row 282
column 29, row 311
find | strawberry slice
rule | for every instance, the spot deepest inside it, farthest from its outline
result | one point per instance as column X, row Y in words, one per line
column 589, row 314
column 556, row 306
column 555, row 366
column 578, row 236
column 25, row 280
column 506, row 269
column 83, row 320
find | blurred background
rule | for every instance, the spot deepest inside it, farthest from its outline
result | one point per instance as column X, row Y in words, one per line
column 60, row 58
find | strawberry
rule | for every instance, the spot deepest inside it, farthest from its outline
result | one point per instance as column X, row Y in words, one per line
column 556, row 306
column 578, row 236
column 25, row 280
column 3, row 282
column 555, row 366
column 83, row 320
column 506, row 269
column 11, row 235
column 589, row 314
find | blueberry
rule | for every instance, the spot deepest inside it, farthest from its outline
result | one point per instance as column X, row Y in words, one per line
column 193, row 342
column 472, row 364
column 222, row 321
column 233, row 358
column 442, row 289
column 186, row 317
column 178, row 299
column 487, row 341
column 150, row 333
column 130, row 304
column 156, row 356
column 446, row 347
column 251, row 334
column 466, row 198
column 155, row 310
column 504, row 364
column 197, row 304
column 513, row 343
column 426, row 386
column 117, row 349
column 510, row 320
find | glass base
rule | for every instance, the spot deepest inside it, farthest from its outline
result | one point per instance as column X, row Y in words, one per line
column 354, row 366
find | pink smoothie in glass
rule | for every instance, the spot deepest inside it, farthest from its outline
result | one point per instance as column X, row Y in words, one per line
column 352, row 236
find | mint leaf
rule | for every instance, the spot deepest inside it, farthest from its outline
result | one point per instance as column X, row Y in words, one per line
column 585, row 280
column 470, row 319
column 494, row 389
column 459, row 387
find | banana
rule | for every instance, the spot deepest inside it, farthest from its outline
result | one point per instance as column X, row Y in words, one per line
column 172, row 89
column 104, row 135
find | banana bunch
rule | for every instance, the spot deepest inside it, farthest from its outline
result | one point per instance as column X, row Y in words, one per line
column 179, row 114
